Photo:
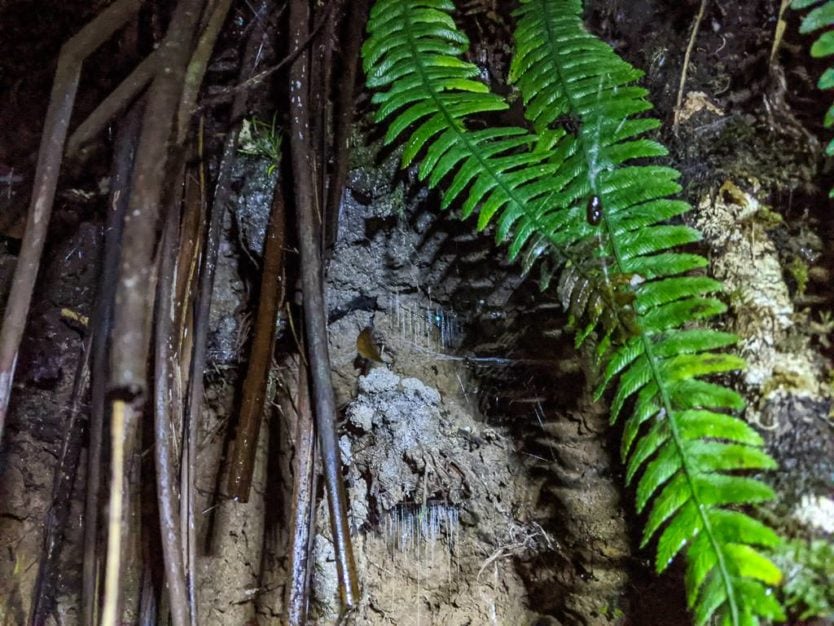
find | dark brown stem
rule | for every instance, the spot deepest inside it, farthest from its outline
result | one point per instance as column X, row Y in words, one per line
column 315, row 322
column 192, row 230
column 260, row 358
column 321, row 78
column 131, row 323
column 61, row 101
column 198, row 64
column 344, row 118
column 166, row 475
column 118, row 100
column 125, row 148
column 303, row 500
column 134, row 292
column 194, row 395
column 148, row 601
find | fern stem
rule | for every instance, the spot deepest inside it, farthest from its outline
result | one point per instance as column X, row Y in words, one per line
column 673, row 428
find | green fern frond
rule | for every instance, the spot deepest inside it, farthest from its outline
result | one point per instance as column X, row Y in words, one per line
column 413, row 51
column 602, row 223
column 509, row 175
column 821, row 16
column 680, row 444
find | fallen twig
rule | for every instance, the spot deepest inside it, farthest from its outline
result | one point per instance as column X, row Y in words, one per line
column 135, row 288
column 169, row 519
column 292, row 56
column 194, row 394
column 260, row 358
column 315, row 322
column 118, row 100
column 693, row 35
column 121, row 425
column 343, row 118
column 302, row 503
column 125, row 147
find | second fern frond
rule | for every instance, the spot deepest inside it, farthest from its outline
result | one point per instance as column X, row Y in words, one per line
column 820, row 17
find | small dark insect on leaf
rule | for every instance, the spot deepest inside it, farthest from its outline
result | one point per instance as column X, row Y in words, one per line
column 593, row 212
column 570, row 123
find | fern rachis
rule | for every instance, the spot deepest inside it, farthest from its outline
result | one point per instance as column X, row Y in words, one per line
column 602, row 222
